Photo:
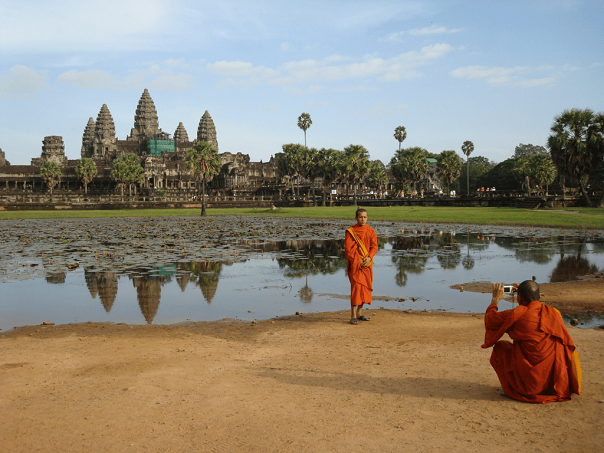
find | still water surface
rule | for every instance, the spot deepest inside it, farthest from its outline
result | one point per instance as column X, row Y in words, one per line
column 412, row 271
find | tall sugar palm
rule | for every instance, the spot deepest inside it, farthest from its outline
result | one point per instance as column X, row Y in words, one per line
column 449, row 167
column 292, row 162
column 400, row 133
column 377, row 178
column 310, row 168
column 86, row 171
column 467, row 148
column 521, row 170
column 127, row 170
column 304, row 123
column 51, row 174
column 542, row 169
column 203, row 161
column 329, row 169
column 356, row 165
column 576, row 144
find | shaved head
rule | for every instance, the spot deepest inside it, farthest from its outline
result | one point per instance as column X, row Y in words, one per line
column 359, row 211
column 529, row 291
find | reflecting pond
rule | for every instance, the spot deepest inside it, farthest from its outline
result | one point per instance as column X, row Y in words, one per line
column 247, row 278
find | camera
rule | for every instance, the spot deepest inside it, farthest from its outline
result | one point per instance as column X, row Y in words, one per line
column 508, row 289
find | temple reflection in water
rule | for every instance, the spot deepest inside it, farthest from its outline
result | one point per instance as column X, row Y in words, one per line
column 411, row 254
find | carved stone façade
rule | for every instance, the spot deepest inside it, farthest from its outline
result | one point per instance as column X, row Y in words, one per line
column 161, row 156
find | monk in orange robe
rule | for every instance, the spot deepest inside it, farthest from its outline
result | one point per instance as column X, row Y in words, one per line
column 541, row 364
column 361, row 246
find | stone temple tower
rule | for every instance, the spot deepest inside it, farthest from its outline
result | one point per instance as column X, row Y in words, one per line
column 206, row 132
column 88, row 139
column 53, row 150
column 3, row 160
column 146, row 122
column 180, row 134
column 105, row 143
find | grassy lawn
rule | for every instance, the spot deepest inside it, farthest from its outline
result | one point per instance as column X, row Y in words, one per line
column 589, row 218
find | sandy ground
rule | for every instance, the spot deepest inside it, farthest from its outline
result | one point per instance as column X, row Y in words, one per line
column 404, row 381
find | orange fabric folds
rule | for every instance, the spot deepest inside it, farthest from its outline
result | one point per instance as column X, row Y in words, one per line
column 541, row 365
column 360, row 242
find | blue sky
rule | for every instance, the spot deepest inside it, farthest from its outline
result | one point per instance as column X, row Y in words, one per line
column 493, row 72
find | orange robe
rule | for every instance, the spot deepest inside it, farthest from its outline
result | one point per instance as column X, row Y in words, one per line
column 361, row 280
column 541, row 365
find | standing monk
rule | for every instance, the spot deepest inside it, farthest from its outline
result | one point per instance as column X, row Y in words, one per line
column 541, row 365
column 361, row 246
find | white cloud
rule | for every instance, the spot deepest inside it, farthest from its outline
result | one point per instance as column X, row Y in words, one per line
column 537, row 82
column 22, row 81
column 176, row 82
column 240, row 69
column 332, row 68
column 80, row 25
column 180, row 63
column 94, row 79
column 503, row 76
column 285, row 46
column 393, row 37
column 155, row 76
column 433, row 30
column 569, row 67
column 515, row 76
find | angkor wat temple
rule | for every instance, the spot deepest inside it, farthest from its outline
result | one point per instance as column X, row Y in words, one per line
column 163, row 160
column 161, row 156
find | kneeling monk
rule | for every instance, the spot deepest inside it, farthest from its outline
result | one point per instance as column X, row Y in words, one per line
column 361, row 246
column 541, row 365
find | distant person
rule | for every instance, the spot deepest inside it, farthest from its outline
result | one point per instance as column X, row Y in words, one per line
column 361, row 246
column 541, row 364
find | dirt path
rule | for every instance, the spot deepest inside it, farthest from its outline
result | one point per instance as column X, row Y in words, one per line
column 312, row 383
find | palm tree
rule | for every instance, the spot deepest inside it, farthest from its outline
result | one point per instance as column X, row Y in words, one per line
column 329, row 169
column 356, row 166
column 542, row 169
column 400, row 133
column 377, row 178
column 86, row 171
column 449, row 167
column 51, row 174
column 410, row 164
column 576, row 144
column 203, row 161
column 292, row 162
column 311, row 168
column 521, row 170
column 467, row 149
column 304, row 123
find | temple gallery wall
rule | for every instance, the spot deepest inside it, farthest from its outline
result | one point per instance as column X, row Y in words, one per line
column 162, row 156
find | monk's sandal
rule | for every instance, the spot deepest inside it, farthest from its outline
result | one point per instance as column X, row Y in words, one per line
column 354, row 321
column 363, row 318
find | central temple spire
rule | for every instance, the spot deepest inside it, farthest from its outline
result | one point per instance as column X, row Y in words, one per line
column 146, row 122
column 206, row 132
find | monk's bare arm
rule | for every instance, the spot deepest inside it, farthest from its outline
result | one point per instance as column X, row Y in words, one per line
column 497, row 293
column 494, row 319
